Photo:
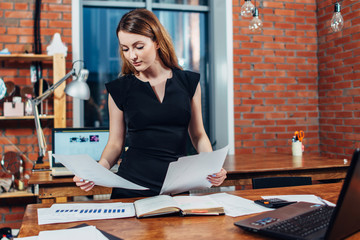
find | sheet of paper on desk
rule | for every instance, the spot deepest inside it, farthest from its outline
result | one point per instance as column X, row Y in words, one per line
column 87, row 168
column 190, row 172
column 28, row 238
column 302, row 198
column 235, row 206
column 88, row 233
column 73, row 212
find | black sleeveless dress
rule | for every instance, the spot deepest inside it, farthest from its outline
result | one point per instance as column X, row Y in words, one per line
column 156, row 131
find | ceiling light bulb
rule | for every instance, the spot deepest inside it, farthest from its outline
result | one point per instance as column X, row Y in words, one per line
column 247, row 9
column 256, row 24
column 337, row 21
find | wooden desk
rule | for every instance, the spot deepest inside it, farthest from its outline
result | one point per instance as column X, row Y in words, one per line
column 241, row 169
column 50, row 189
column 175, row 227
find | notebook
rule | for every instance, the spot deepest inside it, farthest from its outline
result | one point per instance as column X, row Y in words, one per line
column 337, row 222
column 71, row 141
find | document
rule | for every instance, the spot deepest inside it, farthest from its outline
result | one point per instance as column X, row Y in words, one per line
column 89, row 233
column 237, row 206
column 72, row 212
column 190, row 172
column 87, row 168
column 301, row 198
column 184, row 205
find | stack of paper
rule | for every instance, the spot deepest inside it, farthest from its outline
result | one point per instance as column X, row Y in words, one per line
column 301, row 198
column 235, row 206
column 59, row 213
column 88, row 232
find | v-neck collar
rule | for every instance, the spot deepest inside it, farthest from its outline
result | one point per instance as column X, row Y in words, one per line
column 153, row 90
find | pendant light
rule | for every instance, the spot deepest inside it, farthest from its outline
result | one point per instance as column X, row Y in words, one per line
column 247, row 9
column 337, row 21
column 256, row 24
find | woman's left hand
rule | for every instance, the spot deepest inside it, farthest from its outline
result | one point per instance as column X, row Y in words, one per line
column 217, row 178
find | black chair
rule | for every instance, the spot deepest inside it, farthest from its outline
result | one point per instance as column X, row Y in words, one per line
column 273, row 182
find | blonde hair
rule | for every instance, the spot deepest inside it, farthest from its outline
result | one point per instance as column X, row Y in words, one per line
column 144, row 22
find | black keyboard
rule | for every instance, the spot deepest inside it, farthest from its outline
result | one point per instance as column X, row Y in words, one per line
column 304, row 224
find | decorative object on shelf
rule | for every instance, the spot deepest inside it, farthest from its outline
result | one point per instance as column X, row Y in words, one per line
column 14, row 108
column 337, row 21
column 12, row 163
column 5, row 184
column 247, row 9
column 10, row 89
column 28, row 105
column 2, row 89
column 77, row 88
column 5, row 51
column 256, row 24
column 56, row 46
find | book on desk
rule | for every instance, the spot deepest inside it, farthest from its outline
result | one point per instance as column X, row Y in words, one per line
column 182, row 205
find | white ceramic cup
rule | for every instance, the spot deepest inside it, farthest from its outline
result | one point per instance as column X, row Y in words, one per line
column 296, row 148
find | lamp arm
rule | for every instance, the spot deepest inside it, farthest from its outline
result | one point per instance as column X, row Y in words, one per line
column 50, row 90
column 40, row 133
column 35, row 102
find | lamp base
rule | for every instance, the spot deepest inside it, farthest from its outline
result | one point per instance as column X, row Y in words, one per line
column 40, row 160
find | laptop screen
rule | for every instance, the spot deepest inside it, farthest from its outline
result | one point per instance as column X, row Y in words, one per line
column 346, row 218
column 71, row 141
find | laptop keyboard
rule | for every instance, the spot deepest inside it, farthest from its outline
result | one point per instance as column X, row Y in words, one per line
column 304, row 224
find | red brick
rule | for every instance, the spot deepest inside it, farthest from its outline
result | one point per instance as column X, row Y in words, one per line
column 6, row 6
column 14, row 217
column 284, row 12
column 12, row 225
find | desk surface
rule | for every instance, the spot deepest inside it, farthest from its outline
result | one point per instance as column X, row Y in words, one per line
column 264, row 162
column 175, row 227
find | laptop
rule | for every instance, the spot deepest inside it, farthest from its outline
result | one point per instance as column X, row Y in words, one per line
column 71, row 141
column 319, row 221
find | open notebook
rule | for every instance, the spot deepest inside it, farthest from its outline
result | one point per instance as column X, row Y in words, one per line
column 305, row 220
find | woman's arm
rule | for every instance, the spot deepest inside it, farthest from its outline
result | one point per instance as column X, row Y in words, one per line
column 114, row 145
column 116, row 139
column 196, row 130
column 199, row 137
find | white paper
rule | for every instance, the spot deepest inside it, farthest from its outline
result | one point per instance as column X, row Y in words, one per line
column 28, row 238
column 87, row 168
column 72, row 212
column 196, row 202
column 88, row 232
column 301, row 198
column 235, row 206
column 190, row 172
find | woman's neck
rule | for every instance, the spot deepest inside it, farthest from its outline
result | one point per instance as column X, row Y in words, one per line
column 155, row 74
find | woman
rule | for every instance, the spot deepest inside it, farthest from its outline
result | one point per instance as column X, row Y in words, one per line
column 155, row 104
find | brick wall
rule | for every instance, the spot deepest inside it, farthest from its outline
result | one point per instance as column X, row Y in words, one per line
column 12, row 211
column 275, row 77
column 16, row 33
column 339, row 80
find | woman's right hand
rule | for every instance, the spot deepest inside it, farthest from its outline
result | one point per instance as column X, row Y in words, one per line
column 84, row 185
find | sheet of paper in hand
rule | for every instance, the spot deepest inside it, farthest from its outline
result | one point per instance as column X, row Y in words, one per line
column 190, row 172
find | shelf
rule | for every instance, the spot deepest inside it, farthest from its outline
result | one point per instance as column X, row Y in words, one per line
column 26, row 57
column 17, row 194
column 26, row 117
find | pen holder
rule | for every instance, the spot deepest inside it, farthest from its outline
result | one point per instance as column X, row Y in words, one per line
column 296, row 148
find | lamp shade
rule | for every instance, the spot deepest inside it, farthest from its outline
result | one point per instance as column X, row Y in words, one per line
column 79, row 88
